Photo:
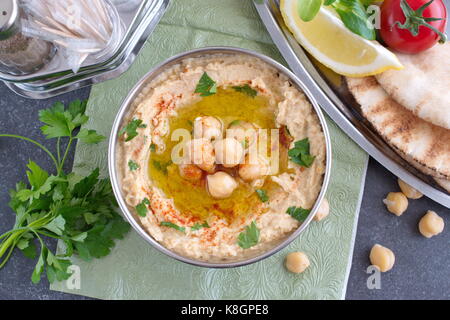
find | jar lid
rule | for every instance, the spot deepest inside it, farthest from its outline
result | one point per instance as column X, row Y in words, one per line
column 9, row 16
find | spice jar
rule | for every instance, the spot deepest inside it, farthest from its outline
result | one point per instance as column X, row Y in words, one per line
column 19, row 54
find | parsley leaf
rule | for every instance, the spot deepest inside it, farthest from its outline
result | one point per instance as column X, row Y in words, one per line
column 298, row 214
column 80, row 211
column 206, row 86
column 234, row 123
column 131, row 129
column 300, row 154
column 161, row 166
column 89, row 136
column 141, row 208
column 133, row 165
column 246, row 89
column 198, row 226
column 153, row 147
column 262, row 194
column 173, row 226
column 249, row 237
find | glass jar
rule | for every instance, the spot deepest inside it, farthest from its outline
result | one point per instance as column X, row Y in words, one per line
column 19, row 54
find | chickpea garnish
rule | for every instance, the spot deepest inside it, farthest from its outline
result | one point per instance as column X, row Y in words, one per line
column 297, row 262
column 229, row 152
column 221, row 185
column 409, row 191
column 431, row 224
column 396, row 203
column 324, row 210
column 382, row 257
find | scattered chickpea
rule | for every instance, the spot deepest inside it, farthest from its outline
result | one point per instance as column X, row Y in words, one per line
column 251, row 171
column 209, row 128
column 324, row 210
column 190, row 172
column 201, row 153
column 297, row 262
column 409, row 191
column 221, row 185
column 431, row 224
column 382, row 257
column 396, row 203
column 229, row 152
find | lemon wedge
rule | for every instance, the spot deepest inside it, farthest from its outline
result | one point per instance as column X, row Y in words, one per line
column 330, row 42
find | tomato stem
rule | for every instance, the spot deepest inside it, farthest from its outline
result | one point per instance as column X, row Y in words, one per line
column 415, row 19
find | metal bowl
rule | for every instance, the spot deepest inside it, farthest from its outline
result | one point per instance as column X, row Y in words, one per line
column 126, row 109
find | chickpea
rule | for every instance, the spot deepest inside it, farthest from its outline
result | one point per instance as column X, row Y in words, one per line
column 201, row 153
column 396, row 203
column 221, row 185
column 382, row 257
column 244, row 132
column 409, row 191
column 209, row 128
column 297, row 262
column 190, row 172
column 324, row 210
column 229, row 152
column 252, row 171
column 431, row 224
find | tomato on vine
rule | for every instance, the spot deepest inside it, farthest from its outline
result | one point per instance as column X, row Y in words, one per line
column 412, row 26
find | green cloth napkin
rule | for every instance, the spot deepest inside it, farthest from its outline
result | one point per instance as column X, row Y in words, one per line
column 134, row 270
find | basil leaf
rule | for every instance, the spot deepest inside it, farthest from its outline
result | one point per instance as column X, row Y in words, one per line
column 355, row 18
column 308, row 9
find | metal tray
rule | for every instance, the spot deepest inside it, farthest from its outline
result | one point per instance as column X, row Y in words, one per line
column 338, row 105
column 51, row 82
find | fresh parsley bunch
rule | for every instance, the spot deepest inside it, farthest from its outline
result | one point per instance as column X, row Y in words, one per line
column 81, row 211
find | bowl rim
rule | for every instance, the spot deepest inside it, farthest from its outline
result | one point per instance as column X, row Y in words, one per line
column 127, row 104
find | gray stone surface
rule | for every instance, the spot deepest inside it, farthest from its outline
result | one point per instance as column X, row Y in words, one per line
column 422, row 269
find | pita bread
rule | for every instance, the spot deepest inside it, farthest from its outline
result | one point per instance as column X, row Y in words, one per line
column 423, row 86
column 444, row 184
column 421, row 143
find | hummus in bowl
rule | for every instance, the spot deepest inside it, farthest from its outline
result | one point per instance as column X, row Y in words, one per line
column 219, row 158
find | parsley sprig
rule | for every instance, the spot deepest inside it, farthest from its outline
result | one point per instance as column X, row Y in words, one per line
column 249, row 237
column 133, row 165
column 173, row 226
column 298, row 213
column 206, row 86
column 300, row 154
column 80, row 211
column 131, row 129
column 246, row 89
column 142, row 207
column 197, row 226
column 262, row 194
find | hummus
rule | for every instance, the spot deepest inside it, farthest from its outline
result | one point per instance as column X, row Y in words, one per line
column 182, row 214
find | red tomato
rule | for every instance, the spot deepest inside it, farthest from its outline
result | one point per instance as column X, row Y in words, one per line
column 403, row 40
